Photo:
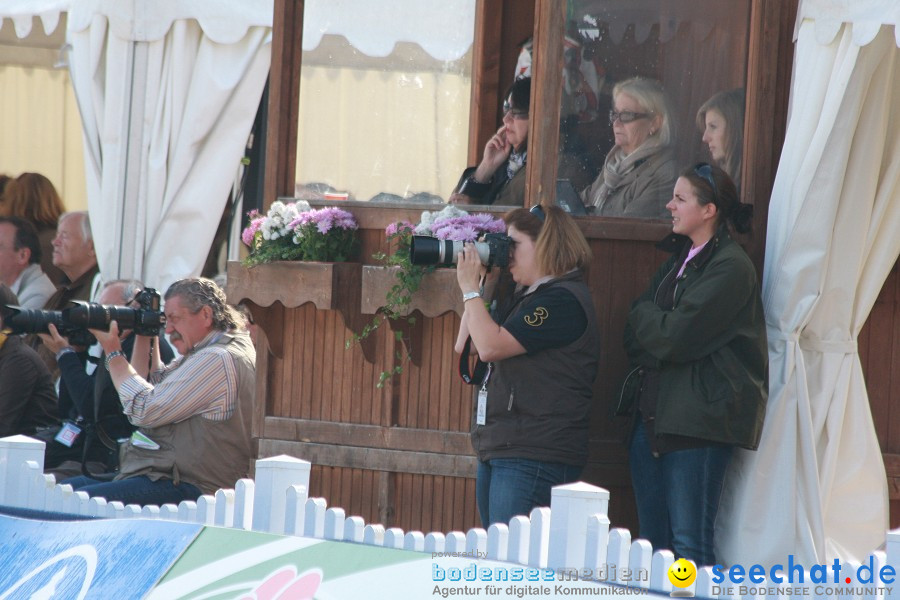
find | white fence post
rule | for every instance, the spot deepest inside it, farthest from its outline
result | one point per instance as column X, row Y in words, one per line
column 415, row 541
column 393, row 538
column 596, row 544
column 273, row 477
column 334, row 524
column 168, row 512
column 639, row 564
column 373, row 535
column 353, row 529
column 187, row 511
column 476, row 542
column 434, row 542
column 295, row 509
column 539, row 542
column 206, row 509
column 570, row 507
column 617, row 554
column 659, row 571
column 314, row 518
column 15, row 451
column 519, row 536
column 98, row 507
column 455, row 541
column 31, row 493
column 497, row 541
column 244, row 491
column 224, row 508
column 149, row 512
column 115, row 510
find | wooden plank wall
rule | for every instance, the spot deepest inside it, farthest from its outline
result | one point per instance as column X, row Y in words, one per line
column 400, row 455
column 879, row 352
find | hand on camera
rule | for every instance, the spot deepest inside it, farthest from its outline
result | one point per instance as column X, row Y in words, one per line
column 108, row 339
column 469, row 269
column 53, row 341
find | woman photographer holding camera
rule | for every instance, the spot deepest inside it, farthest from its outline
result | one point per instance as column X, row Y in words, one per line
column 530, row 420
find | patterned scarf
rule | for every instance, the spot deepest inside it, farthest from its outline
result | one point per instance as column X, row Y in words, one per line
column 617, row 166
column 515, row 162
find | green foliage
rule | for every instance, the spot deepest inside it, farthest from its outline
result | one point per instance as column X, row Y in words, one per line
column 338, row 245
column 272, row 250
column 397, row 300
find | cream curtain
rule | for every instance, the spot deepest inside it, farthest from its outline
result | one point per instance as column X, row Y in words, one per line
column 168, row 93
column 816, row 487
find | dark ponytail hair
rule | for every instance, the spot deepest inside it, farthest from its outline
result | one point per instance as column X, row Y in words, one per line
column 712, row 184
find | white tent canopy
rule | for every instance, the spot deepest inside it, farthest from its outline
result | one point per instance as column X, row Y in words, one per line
column 816, row 488
column 168, row 92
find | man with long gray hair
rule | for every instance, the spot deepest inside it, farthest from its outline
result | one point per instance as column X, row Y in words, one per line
column 194, row 414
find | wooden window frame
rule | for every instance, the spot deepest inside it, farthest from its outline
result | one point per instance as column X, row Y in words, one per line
column 770, row 57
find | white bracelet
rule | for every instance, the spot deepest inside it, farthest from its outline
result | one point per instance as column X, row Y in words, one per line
column 471, row 296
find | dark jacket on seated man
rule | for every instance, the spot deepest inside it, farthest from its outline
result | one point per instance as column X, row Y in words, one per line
column 27, row 396
column 92, row 402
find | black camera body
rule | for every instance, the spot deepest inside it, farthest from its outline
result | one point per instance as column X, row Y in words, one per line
column 146, row 320
column 493, row 250
column 73, row 322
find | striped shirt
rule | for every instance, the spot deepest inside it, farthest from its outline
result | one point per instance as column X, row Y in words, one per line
column 203, row 382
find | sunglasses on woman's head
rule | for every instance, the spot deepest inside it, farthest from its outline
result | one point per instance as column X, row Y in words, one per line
column 705, row 171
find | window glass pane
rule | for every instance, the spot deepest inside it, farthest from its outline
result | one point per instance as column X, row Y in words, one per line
column 686, row 52
column 384, row 98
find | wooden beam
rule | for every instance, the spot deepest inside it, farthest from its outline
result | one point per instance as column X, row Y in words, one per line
column 284, row 101
column 769, row 65
column 486, row 80
column 546, row 97
column 354, row 457
column 367, row 436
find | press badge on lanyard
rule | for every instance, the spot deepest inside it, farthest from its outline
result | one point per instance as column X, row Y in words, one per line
column 481, row 408
column 68, row 433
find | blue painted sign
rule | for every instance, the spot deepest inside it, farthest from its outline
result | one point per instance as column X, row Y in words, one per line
column 71, row 560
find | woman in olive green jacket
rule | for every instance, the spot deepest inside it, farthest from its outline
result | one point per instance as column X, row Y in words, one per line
column 697, row 341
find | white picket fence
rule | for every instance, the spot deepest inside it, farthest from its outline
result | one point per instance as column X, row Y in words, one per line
column 577, row 539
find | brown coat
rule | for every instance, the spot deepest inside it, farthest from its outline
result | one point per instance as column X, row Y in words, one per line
column 27, row 395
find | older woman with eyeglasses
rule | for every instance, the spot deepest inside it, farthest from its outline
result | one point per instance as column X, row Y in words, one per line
column 639, row 171
column 500, row 177
column 696, row 339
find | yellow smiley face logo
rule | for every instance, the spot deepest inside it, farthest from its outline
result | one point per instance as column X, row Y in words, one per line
column 536, row 320
column 682, row 573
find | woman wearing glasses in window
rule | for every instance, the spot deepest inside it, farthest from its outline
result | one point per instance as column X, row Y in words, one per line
column 721, row 119
column 696, row 339
column 639, row 171
column 500, row 177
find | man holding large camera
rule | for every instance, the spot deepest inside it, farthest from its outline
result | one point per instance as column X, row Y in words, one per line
column 88, row 400
column 194, row 414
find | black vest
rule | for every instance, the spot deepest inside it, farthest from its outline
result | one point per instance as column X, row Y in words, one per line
column 539, row 404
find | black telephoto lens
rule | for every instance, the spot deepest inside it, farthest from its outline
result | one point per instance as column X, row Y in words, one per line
column 426, row 250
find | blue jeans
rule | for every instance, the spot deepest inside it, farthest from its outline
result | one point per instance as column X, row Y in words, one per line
column 506, row 487
column 678, row 496
column 136, row 490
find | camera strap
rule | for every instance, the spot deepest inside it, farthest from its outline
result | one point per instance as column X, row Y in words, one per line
column 476, row 377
